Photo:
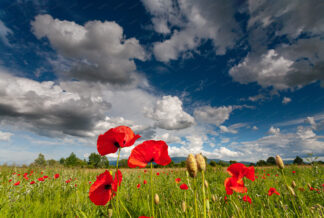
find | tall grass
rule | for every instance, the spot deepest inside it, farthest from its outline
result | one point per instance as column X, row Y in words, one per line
column 56, row 198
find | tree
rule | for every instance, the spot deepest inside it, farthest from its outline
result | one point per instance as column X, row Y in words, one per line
column 51, row 162
column 94, row 160
column 104, row 163
column 62, row 160
column 271, row 161
column 261, row 163
column 213, row 163
column 298, row 160
column 232, row 161
column 40, row 160
column 71, row 160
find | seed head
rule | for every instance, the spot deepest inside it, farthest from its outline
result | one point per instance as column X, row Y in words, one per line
column 183, row 206
column 156, row 199
column 206, row 184
column 192, row 165
column 279, row 162
column 201, row 162
column 213, row 197
column 293, row 184
column 291, row 190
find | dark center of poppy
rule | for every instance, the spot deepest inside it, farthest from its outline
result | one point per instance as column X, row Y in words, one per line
column 107, row 186
column 116, row 144
column 152, row 160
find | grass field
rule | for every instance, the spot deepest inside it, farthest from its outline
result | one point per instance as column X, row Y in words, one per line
column 67, row 196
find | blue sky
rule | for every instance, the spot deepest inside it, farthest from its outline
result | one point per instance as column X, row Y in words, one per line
column 241, row 80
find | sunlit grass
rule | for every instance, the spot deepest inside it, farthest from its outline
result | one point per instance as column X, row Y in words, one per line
column 56, row 198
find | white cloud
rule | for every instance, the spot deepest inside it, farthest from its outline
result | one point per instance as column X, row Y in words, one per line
column 225, row 129
column 286, row 100
column 4, row 32
column 189, row 23
column 168, row 138
column 311, row 121
column 5, row 136
column 273, row 131
column 99, row 50
column 169, row 114
column 213, row 115
column 255, row 128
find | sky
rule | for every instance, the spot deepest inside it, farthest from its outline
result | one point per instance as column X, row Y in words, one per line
column 234, row 80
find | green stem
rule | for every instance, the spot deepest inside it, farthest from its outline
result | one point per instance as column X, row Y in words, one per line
column 117, row 198
column 196, row 206
column 152, row 189
column 204, row 195
column 293, row 200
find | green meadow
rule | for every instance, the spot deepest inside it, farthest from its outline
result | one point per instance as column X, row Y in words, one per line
column 67, row 195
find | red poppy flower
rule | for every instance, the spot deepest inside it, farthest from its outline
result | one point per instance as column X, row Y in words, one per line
column 234, row 184
column 67, row 181
column 121, row 136
column 25, row 175
column 18, row 174
column 145, row 171
column 149, row 151
column 247, row 199
column 268, row 174
column 239, row 171
column 311, row 188
column 157, row 174
column 184, row 186
column 41, row 172
column 294, row 171
column 101, row 191
column 277, row 175
column 138, row 186
column 41, row 179
column 273, row 191
column 75, row 185
column 145, row 182
column 144, row 217
column 10, row 180
column 32, row 182
column 225, row 199
column 177, row 180
column 90, row 182
column 45, row 177
column 17, row 183
column 56, row 176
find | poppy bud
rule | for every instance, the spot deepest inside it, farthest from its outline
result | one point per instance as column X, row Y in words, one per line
column 291, row 190
column 206, row 184
column 201, row 162
column 156, row 199
column 110, row 212
column 184, row 206
column 279, row 162
column 309, row 185
column 207, row 205
column 213, row 198
column 293, row 184
column 192, row 165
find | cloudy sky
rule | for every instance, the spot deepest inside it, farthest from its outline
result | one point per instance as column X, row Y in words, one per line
column 236, row 80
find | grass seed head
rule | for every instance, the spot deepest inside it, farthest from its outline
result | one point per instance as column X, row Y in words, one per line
column 192, row 165
column 279, row 162
column 291, row 190
column 293, row 184
column 183, row 206
column 213, row 197
column 156, row 199
column 110, row 212
column 201, row 162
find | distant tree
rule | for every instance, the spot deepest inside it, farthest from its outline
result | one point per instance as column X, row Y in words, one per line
column 183, row 163
column 71, row 160
column 223, row 163
column 51, row 162
column 212, row 163
column 40, row 160
column 123, row 163
column 104, row 162
column 252, row 164
column 171, row 164
column 271, row 161
column 261, row 163
column 298, row 160
column 94, row 160
column 62, row 160
column 232, row 162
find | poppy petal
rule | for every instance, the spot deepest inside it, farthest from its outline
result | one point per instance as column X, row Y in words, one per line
column 98, row 193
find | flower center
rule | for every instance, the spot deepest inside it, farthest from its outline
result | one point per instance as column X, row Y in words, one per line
column 107, row 186
column 116, row 144
column 152, row 160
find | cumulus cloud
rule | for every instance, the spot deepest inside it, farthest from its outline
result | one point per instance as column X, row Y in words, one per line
column 286, row 100
column 273, row 131
column 5, row 136
column 213, row 115
column 255, row 128
column 225, row 129
column 4, row 32
column 189, row 23
column 294, row 63
column 169, row 114
column 311, row 121
column 98, row 50
column 168, row 138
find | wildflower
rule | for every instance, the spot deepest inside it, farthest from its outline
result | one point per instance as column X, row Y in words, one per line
column 273, row 191
column 184, row 186
column 45, row 177
column 144, row 182
column 118, row 137
column 157, row 173
column 239, row 170
column 177, row 180
column 17, row 183
column 90, row 182
column 101, row 191
column 294, row 172
column 149, row 151
column 10, row 180
column 233, row 184
column 68, row 181
column 138, row 186
column 41, row 179
column 247, row 199
column 32, row 182
column 56, row 176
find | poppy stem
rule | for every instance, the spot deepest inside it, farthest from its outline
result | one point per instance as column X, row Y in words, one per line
column 293, row 197
column 117, row 198
column 152, row 189
column 196, row 206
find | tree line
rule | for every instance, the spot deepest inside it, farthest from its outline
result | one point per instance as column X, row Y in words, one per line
column 97, row 161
